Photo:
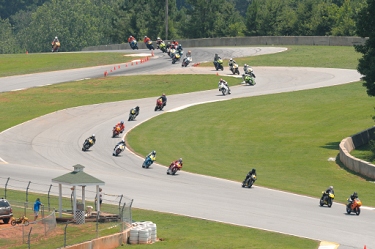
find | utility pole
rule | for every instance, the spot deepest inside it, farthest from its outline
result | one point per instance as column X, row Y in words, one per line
column 166, row 19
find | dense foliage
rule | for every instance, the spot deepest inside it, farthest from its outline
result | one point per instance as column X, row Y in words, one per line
column 366, row 28
column 32, row 24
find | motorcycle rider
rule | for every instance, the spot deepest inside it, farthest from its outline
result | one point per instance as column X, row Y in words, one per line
column 54, row 42
column 158, row 42
column 216, row 58
column 152, row 153
column 122, row 142
column 231, row 63
column 175, row 43
column 226, row 84
column 352, row 198
column 179, row 49
column 247, row 71
column 146, row 39
column 251, row 172
column 135, row 110
column 131, row 39
column 188, row 54
column 328, row 191
column 164, row 99
column 178, row 163
column 93, row 138
column 121, row 125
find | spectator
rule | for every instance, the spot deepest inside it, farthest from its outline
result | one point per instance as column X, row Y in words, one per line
column 37, row 205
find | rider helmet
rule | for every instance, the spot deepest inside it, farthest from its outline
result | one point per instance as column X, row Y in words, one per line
column 93, row 135
column 221, row 79
column 163, row 94
column 153, row 152
column 189, row 51
column 180, row 160
column 130, row 36
column 158, row 38
column 230, row 59
column 330, row 187
column 122, row 122
column 55, row 37
column 355, row 194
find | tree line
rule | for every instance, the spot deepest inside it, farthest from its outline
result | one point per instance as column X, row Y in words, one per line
column 32, row 24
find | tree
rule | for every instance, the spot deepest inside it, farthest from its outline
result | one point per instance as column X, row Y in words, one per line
column 8, row 43
column 365, row 27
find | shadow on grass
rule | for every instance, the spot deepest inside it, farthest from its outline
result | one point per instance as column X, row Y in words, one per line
column 342, row 166
column 331, row 146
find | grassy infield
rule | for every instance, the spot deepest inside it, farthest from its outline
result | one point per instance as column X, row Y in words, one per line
column 288, row 137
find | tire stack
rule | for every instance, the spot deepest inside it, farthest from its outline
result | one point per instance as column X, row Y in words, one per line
column 143, row 233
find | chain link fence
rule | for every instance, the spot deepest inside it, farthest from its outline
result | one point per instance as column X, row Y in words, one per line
column 115, row 214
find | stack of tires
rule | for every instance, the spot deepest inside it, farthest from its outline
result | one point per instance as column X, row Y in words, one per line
column 143, row 233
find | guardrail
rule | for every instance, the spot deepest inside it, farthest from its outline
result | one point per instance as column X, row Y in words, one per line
column 348, row 144
column 249, row 41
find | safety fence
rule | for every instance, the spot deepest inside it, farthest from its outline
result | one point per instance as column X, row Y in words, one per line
column 115, row 214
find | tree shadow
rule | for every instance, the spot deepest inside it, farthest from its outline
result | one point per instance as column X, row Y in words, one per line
column 331, row 146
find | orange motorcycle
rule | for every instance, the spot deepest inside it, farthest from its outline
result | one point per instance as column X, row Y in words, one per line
column 354, row 206
column 116, row 131
column 173, row 168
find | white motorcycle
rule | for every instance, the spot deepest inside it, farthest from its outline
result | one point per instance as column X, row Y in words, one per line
column 223, row 88
column 186, row 61
column 118, row 149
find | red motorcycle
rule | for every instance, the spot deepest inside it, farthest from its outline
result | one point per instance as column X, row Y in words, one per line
column 173, row 168
column 116, row 131
column 159, row 104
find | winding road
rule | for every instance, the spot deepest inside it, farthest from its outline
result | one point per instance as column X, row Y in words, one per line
column 51, row 145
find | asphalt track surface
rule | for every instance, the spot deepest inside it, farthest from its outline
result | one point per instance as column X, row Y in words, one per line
column 48, row 146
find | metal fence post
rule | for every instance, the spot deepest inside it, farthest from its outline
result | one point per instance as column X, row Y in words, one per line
column 27, row 192
column 66, row 226
column 119, row 206
column 5, row 189
column 28, row 237
column 122, row 217
column 97, row 224
column 49, row 191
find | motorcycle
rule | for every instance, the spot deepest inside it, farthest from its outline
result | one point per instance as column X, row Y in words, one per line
column 354, row 206
column 234, row 69
column 173, row 168
column 171, row 52
column 219, row 65
column 148, row 161
column 55, row 47
column 134, row 44
column 159, row 104
column 186, row 61
column 116, row 131
column 223, row 88
column 249, row 80
column 132, row 115
column 326, row 199
column 118, row 149
column 163, row 47
column 176, row 58
column 89, row 142
column 149, row 45
column 249, row 182
column 21, row 220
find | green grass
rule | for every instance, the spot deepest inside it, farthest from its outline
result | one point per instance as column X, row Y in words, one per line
column 287, row 137
column 303, row 56
column 16, row 64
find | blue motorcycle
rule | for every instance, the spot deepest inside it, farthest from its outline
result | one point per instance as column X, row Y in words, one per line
column 148, row 161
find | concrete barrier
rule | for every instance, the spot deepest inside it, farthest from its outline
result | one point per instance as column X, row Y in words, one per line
column 108, row 242
column 249, row 41
column 348, row 144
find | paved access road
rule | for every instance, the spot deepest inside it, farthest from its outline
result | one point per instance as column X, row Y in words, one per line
column 49, row 146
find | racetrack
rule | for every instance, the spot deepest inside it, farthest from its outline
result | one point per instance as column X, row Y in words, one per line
column 51, row 145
